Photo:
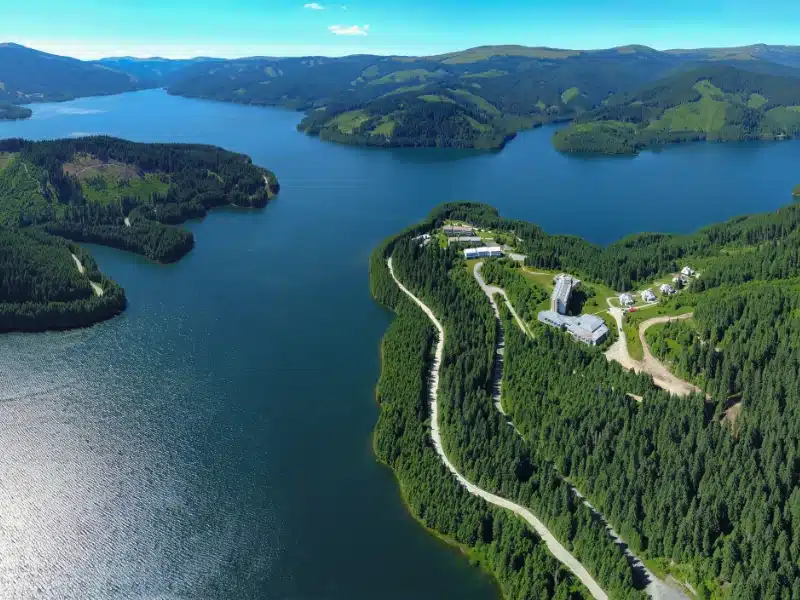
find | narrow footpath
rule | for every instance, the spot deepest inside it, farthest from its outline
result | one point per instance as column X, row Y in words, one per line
column 655, row 588
column 552, row 543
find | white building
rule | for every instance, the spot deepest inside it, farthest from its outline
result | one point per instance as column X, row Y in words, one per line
column 464, row 239
column 588, row 329
column 484, row 252
column 667, row 289
column 687, row 271
column 648, row 296
column 626, row 299
column 458, row 230
column 565, row 284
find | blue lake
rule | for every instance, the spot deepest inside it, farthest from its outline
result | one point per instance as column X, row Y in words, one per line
column 215, row 440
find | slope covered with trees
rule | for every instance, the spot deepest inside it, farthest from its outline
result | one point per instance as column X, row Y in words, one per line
column 482, row 96
column 715, row 102
column 476, row 98
column 105, row 191
column 28, row 75
column 705, row 487
column 476, row 437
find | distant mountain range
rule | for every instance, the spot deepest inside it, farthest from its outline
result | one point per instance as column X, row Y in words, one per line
column 28, row 75
column 474, row 98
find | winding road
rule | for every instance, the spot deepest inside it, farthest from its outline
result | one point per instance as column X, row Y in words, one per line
column 655, row 588
column 98, row 289
column 555, row 547
column 662, row 376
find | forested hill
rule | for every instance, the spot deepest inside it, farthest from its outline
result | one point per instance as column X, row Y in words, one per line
column 705, row 487
column 156, row 72
column 106, row 191
column 28, row 75
column 714, row 102
column 475, row 98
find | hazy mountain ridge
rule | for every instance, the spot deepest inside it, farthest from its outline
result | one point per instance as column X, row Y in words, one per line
column 28, row 75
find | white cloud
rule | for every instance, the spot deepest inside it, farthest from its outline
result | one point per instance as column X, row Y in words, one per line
column 349, row 30
column 314, row 6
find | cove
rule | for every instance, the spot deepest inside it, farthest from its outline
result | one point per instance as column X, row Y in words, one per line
column 214, row 441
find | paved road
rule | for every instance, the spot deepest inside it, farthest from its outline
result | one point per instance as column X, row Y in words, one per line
column 655, row 588
column 553, row 544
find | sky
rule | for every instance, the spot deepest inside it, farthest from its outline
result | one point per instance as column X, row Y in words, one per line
column 92, row 29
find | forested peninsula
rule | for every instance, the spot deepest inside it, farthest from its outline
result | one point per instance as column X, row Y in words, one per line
column 106, row 191
column 10, row 112
column 705, row 488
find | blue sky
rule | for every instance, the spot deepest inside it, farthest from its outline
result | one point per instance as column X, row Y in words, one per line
column 231, row 28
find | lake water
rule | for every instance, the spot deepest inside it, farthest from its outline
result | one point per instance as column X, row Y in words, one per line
column 214, row 441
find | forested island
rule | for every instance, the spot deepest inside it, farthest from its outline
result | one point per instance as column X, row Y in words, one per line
column 703, row 487
column 106, row 191
column 716, row 103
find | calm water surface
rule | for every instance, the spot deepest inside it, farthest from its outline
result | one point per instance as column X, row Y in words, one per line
column 214, row 441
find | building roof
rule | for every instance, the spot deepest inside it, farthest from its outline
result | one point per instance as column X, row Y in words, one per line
column 590, row 322
column 482, row 250
column 464, row 238
column 553, row 316
column 588, row 328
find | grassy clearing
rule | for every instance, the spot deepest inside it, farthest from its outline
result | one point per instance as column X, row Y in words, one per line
column 436, row 98
column 485, row 74
column 544, row 279
column 385, row 127
column 783, row 117
column 405, row 89
column 6, row 158
column 478, row 126
column 349, row 121
column 404, row 77
column 570, row 94
column 107, row 188
column 487, row 52
column 756, row 101
column 706, row 115
column 682, row 574
column 482, row 104
column 632, row 320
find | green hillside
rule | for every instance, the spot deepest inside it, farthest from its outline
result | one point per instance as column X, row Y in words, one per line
column 702, row 487
column 105, row 191
column 27, row 75
column 476, row 98
column 481, row 97
column 713, row 102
